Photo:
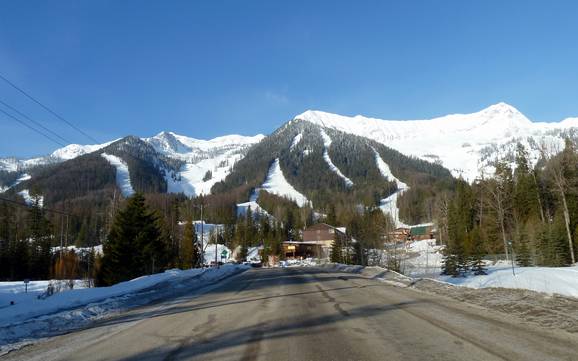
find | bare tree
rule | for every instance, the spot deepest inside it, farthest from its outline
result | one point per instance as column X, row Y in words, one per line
column 556, row 167
column 499, row 190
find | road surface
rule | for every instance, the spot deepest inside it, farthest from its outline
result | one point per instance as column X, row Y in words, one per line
column 307, row 314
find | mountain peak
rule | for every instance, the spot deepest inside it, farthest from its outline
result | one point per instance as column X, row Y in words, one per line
column 504, row 112
column 502, row 108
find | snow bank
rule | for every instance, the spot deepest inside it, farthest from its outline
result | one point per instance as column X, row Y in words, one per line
column 429, row 258
column 122, row 174
column 551, row 280
column 277, row 184
column 32, row 317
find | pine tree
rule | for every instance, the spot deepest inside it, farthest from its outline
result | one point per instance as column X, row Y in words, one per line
column 337, row 251
column 523, row 255
column 134, row 246
column 189, row 254
column 478, row 266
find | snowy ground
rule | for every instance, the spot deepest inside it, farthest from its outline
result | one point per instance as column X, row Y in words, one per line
column 32, row 318
column 425, row 261
column 122, row 174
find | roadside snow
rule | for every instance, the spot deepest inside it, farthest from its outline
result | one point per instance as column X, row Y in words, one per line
column 277, row 184
column 32, row 318
column 551, row 280
column 426, row 258
column 122, row 174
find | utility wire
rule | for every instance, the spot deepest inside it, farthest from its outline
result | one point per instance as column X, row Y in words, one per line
column 35, row 122
column 32, row 128
column 48, row 109
column 27, row 206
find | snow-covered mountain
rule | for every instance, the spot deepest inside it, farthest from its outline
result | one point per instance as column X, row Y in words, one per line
column 203, row 162
column 12, row 164
column 463, row 143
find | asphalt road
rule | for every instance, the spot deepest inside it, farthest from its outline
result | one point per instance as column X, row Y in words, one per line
column 307, row 314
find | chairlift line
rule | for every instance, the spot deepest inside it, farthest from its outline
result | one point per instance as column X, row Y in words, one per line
column 32, row 128
column 35, row 122
column 48, row 109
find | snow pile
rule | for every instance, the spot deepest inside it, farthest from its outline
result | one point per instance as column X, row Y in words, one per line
column 31, row 317
column 459, row 141
column 551, row 280
column 333, row 167
column 277, row 184
column 122, row 174
column 296, row 141
column 30, row 199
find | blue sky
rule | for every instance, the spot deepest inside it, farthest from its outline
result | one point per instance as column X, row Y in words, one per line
column 209, row 68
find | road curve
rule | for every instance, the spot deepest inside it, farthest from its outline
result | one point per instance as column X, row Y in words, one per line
column 307, row 314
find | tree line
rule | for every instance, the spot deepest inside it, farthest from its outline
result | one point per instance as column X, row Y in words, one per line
column 527, row 214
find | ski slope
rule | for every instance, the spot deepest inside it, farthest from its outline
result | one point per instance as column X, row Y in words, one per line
column 389, row 205
column 296, row 141
column 460, row 142
column 122, row 174
column 217, row 155
column 333, row 167
column 276, row 183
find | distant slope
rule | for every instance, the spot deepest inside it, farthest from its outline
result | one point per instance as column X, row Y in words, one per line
column 164, row 163
column 460, row 142
column 299, row 148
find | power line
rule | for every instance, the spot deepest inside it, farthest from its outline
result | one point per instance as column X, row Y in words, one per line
column 34, row 121
column 28, row 207
column 32, row 128
column 48, row 109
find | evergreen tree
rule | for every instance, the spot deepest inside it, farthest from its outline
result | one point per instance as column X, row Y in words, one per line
column 134, row 246
column 337, row 251
column 478, row 266
column 189, row 254
column 523, row 255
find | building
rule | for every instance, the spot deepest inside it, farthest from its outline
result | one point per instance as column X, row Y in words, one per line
column 316, row 242
column 422, row 231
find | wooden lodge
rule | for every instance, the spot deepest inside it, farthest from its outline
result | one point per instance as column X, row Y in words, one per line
column 316, row 242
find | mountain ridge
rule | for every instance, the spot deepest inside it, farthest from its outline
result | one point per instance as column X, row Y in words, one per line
column 460, row 142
